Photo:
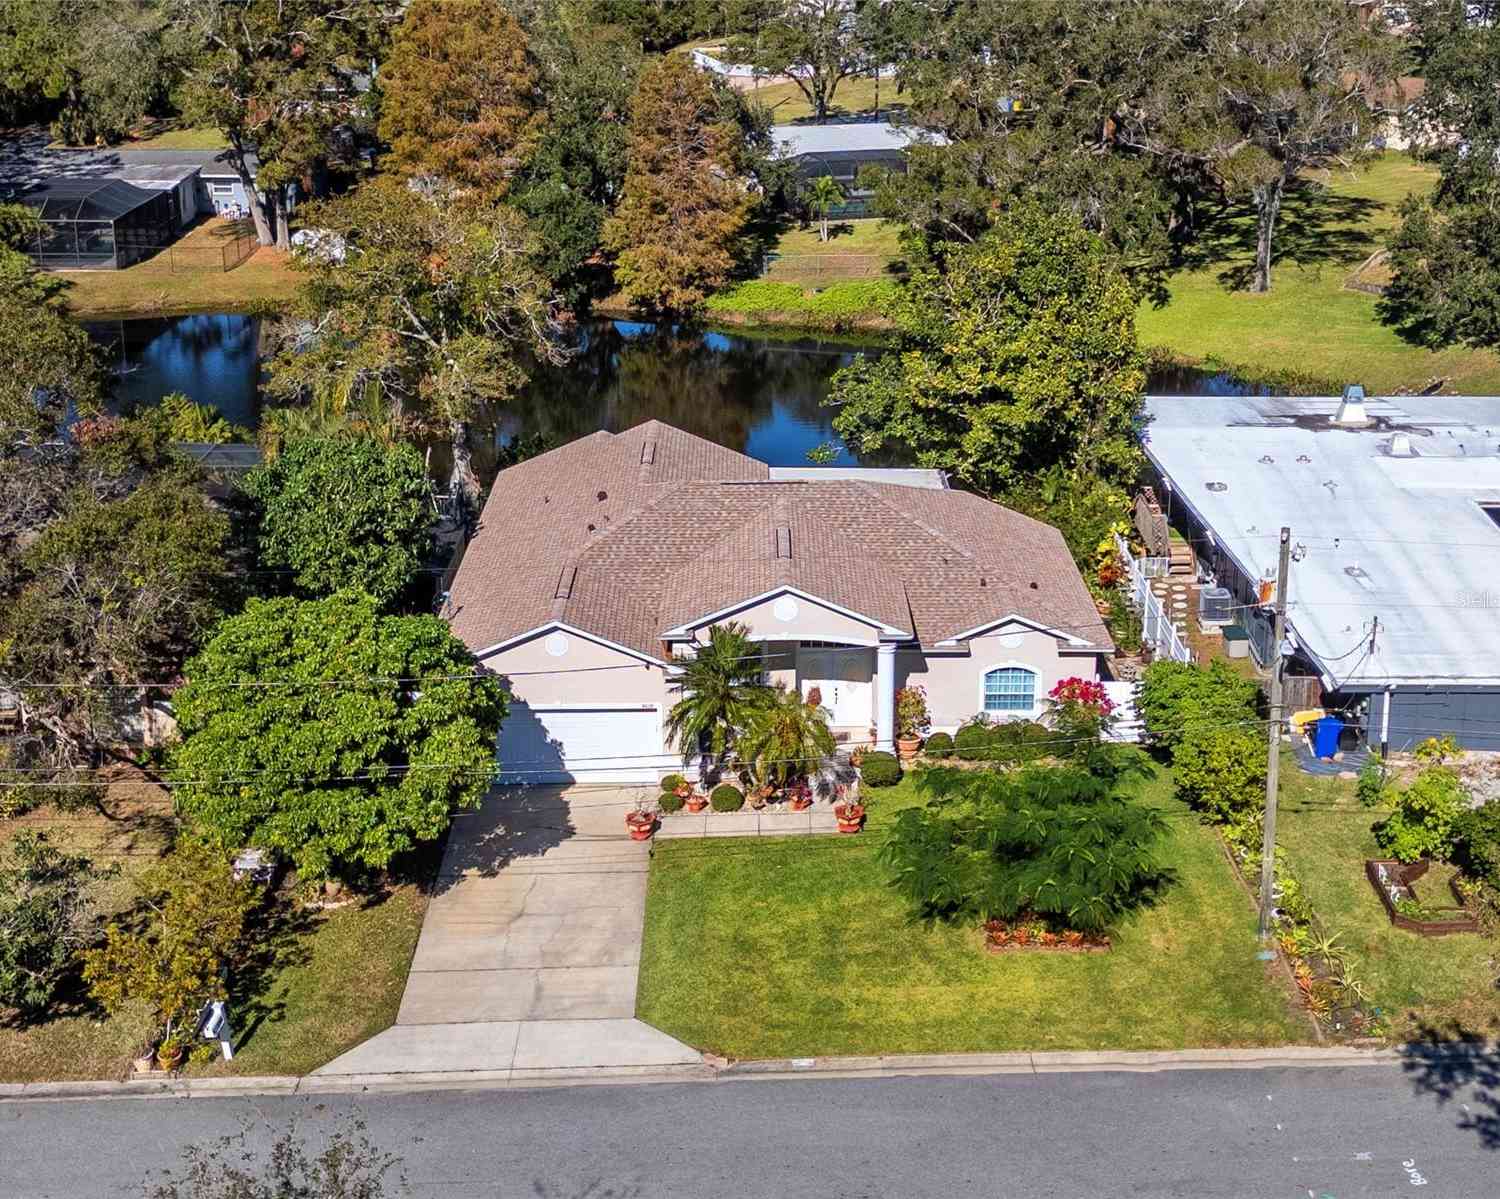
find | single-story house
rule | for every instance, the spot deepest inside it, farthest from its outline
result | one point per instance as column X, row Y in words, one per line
column 1394, row 509
column 599, row 566
column 841, row 148
column 135, row 200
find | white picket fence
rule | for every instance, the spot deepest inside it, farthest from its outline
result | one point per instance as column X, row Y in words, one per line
column 1156, row 629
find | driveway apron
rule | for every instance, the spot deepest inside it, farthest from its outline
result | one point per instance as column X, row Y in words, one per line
column 527, row 962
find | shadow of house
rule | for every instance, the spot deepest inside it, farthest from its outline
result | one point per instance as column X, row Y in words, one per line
column 1458, row 1065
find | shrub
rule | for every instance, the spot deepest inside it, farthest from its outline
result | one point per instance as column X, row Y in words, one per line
column 671, row 782
column 1080, row 713
column 726, row 797
column 880, row 769
column 1369, row 789
column 670, row 801
column 1476, row 843
column 1221, row 771
column 1438, row 751
column 912, row 719
column 1422, row 824
column 1175, row 695
column 194, row 933
column 1013, row 741
column 46, row 920
column 939, row 745
column 1058, row 842
column 972, row 742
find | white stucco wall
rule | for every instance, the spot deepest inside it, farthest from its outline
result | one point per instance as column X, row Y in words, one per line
column 955, row 682
column 585, row 673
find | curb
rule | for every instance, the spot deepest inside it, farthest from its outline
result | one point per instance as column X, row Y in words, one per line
column 717, row 1070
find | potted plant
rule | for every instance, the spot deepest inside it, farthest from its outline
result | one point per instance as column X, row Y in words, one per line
column 849, row 813
column 912, row 721
column 696, row 801
column 641, row 822
column 799, row 796
column 172, row 1052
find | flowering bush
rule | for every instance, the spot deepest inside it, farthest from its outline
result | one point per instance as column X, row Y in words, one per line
column 912, row 719
column 1082, row 691
column 1080, row 712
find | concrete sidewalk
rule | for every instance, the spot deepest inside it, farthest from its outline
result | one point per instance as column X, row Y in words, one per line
column 527, row 962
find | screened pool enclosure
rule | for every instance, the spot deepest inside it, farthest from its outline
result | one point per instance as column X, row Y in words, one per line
column 99, row 224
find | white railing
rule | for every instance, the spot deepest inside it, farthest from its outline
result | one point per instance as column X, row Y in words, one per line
column 1157, row 630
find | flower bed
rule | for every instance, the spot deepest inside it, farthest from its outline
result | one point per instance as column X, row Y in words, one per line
column 1002, row 936
column 1393, row 881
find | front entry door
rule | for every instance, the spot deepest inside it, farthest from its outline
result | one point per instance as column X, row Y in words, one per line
column 843, row 675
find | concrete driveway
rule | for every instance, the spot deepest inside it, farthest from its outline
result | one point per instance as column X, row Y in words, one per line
column 528, row 958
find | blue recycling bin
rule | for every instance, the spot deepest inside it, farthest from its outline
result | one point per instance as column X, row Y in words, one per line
column 1326, row 736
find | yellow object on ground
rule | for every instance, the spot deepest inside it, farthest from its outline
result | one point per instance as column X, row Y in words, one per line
column 1300, row 720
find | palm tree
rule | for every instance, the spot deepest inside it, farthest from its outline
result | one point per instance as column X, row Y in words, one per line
column 721, row 691
column 823, row 194
column 786, row 738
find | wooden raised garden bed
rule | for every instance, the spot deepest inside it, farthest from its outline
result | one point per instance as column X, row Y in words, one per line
column 1393, row 881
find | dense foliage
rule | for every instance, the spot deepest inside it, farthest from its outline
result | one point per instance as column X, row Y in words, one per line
column 461, row 96
column 879, row 769
column 1476, row 842
column 1221, row 770
column 46, row 920
column 939, row 745
column 1425, row 812
column 343, row 513
column 194, row 917
column 726, row 797
column 785, row 738
column 333, row 734
column 1016, row 352
column 677, row 232
column 1175, row 696
column 1061, row 843
column 1445, row 255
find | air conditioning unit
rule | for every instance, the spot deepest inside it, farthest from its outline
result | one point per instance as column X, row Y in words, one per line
column 1215, row 607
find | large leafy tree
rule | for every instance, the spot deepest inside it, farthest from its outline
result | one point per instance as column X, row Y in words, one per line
column 105, row 598
column 815, row 43
column 1445, row 255
column 578, row 172
column 677, row 233
column 461, row 95
column 720, row 690
column 344, row 513
column 279, row 79
column 46, row 920
column 1016, row 352
column 426, row 313
column 333, row 734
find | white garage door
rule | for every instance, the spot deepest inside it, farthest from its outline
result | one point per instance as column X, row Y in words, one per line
column 580, row 744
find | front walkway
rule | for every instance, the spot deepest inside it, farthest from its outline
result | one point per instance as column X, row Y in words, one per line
column 526, row 967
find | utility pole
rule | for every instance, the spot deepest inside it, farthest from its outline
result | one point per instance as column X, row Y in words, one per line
column 1273, row 749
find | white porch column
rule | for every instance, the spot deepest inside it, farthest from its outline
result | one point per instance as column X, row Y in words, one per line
column 885, row 696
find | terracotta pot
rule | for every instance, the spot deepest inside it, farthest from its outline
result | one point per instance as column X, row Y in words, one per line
column 801, row 803
column 169, row 1056
column 640, row 824
column 697, row 803
column 907, row 747
column 851, row 817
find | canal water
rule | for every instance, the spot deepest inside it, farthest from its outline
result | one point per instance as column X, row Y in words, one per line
column 760, row 395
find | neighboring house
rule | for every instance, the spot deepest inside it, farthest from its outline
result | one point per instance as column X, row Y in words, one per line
column 841, row 148
column 108, row 208
column 597, row 566
column 1394, row 510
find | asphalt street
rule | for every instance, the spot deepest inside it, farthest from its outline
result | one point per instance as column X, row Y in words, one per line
column 1323, row 1133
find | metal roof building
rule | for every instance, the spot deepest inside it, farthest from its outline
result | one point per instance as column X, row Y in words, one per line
column 1394, row 508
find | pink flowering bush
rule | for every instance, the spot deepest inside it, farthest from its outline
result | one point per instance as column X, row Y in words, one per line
column 1080, row 712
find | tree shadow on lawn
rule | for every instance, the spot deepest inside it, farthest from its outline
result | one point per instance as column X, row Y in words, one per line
column 1454, row 1063
column 1316, row 227
column 278, row 941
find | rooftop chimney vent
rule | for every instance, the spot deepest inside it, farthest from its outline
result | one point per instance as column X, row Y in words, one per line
column 1401, row 446
column 783, row 541
column 1351, row 413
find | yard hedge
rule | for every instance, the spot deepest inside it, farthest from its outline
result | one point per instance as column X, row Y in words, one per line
column 670, row 801
column 880, row 769
column 939, row 745
column 726, row 797
column 671, row 782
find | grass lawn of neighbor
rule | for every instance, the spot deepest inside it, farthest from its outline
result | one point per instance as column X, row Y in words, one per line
column 332, row 979
column 798, row 947
column 188, row 276
column 1310, row 323
column 855, row 95
column 1447, row 983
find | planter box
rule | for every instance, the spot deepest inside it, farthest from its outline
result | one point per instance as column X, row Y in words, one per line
column 1385, row 873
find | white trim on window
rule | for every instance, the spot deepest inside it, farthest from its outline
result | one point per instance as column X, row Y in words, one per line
column 1030, row 713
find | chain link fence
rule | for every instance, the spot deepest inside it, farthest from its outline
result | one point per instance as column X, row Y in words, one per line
column 222, row 254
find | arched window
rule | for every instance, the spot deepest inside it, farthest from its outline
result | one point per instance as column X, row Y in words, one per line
column 1010, row 689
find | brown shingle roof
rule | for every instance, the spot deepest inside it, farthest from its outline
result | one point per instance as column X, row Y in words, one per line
column 628, row 535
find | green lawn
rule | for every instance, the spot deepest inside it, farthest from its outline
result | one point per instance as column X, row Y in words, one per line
column 771, row 948
column 1441, row 981
column 854, row 95
column 1309, row 323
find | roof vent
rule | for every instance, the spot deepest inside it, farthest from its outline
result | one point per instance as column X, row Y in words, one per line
column 648, row 451
column 1266, row 460
column 783, row 541
column 1401, row 446
column 1216, row 486
column 603, row 495
column 565, row 583
column 1351, row 413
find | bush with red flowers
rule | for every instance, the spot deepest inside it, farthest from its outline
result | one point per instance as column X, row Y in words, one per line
column 1081, row 713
